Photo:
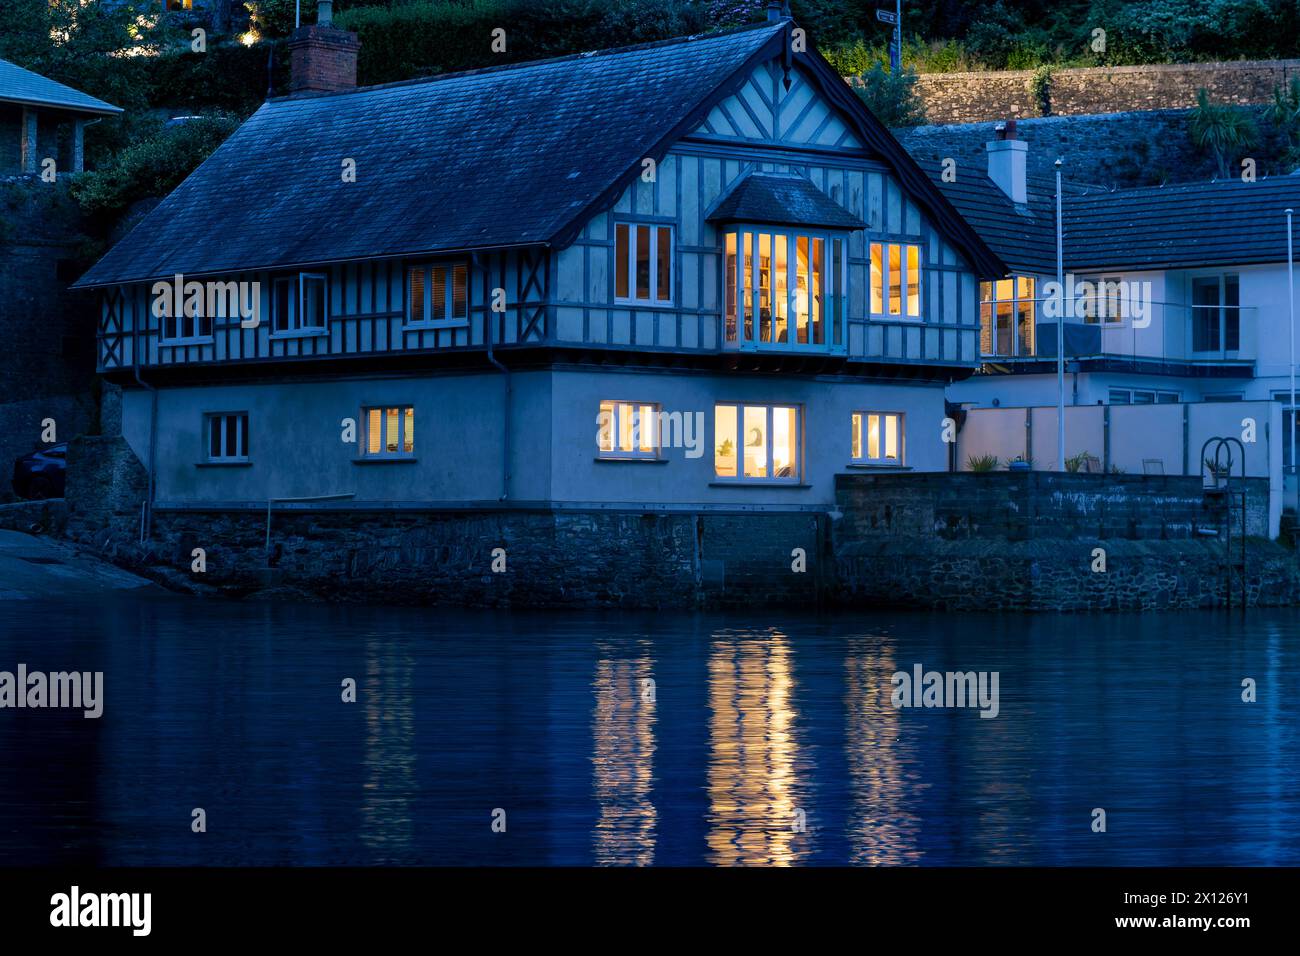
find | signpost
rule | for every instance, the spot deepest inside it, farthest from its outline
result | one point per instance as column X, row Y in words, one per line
column 896, row 45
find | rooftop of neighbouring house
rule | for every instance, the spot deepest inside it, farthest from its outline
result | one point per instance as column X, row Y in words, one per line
column 25, row 88
column 1176, row 226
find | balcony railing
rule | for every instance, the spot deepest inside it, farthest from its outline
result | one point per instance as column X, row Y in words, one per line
column 1165, row 332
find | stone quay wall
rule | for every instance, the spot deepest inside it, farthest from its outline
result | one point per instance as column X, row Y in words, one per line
column 1029, row 542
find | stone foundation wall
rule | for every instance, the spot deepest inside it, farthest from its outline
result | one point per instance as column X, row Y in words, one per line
column 551, row 558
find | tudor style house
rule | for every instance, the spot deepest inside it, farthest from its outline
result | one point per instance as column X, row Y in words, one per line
column 695, row 273
column 1194, row 306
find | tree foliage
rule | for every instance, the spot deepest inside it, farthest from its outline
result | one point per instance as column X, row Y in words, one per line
column 890, row 96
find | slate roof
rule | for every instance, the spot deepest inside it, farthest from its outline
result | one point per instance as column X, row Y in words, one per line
column 31, row 89
column 489, row 158
column 514, row 155
column 782, row 199
column 1183, row 226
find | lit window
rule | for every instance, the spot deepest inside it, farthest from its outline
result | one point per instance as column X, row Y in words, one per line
column 756, row 442
column 299, row 305
column 227, row 436
column 390, row 432
column 438, row 294
column 1007, row 316
column 895, row 279
column 628, row 430
column 783, row 281
column 643, row 263
column 877, row 438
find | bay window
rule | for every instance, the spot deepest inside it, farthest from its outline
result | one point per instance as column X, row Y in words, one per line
column 782, row 288
column 756, row 442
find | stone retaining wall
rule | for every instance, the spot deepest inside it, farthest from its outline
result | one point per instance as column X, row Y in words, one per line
column 983, row 96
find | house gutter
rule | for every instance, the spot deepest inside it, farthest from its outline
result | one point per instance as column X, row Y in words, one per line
column 505, row 414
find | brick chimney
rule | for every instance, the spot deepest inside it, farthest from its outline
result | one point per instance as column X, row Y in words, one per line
column 1007, row 157
column 322, row 59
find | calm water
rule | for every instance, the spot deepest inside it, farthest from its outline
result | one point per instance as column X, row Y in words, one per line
column 751, row 720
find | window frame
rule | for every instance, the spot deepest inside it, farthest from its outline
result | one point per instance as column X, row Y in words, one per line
column 880, row 281
column 384, row 454
column 210, row 419
column 740, row 478
column 632, row 225
column 988, row 308
column 294, row 327
column 859, row 435
column 197, row 337
column 614, row 453
column 1223, row 308
column 427, row 267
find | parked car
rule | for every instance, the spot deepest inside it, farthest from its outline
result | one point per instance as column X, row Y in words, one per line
column 41, row 473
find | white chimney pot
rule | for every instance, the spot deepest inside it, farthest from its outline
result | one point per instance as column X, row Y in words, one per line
column 1007, row 167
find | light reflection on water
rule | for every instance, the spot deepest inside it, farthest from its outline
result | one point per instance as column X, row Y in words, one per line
column 625, row 739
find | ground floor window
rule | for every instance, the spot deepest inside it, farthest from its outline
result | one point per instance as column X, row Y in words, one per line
column 878, row 438
column 227, row 434
column 756, row 442
column 390, row 431
column 627, row 430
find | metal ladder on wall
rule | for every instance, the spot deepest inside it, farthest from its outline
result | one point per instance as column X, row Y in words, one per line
column 1222, row 500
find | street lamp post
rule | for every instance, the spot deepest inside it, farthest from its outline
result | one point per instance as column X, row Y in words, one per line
column 1060, row 330
column 1290, row 288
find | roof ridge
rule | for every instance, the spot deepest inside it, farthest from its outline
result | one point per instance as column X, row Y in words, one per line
column 525, row 64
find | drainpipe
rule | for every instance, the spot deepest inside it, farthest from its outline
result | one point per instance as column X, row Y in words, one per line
column 505, row 439
column 153, row 441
